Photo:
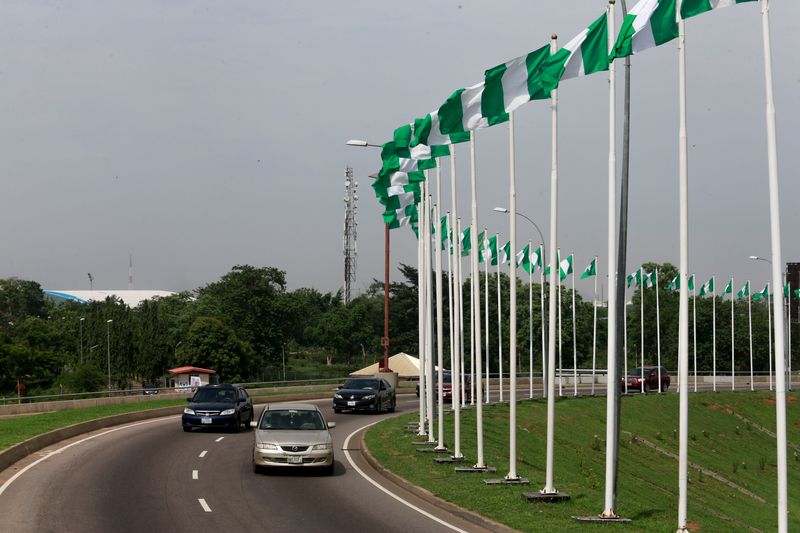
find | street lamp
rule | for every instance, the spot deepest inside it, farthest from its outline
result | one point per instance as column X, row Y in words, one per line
column 383, row 365
column 505, row 210
column 108, row 350
column 81, row 323
column 756, row 258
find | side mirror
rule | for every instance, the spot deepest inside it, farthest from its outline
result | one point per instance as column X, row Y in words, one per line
column 189, row 399
column 331, row 425
column 253, row 424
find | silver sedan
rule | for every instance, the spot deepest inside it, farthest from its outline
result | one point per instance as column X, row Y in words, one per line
column 293, row 435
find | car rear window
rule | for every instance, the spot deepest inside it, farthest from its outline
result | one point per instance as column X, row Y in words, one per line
column 361, row 384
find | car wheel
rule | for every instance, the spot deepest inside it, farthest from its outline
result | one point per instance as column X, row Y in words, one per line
column 238, row 427
column 393, row 405
column 328, row 470
column 337, row 410
column 664, row 387
column 187, row 429
column 256, row 469
column 646, row 387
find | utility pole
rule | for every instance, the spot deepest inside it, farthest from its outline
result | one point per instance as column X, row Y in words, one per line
column 350, row 247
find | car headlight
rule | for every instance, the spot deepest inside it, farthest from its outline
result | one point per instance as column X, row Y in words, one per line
column 228, row 412
column 369, row 397
column 266, row 446
column 337, row 396
column 326, row 446
column 188, row 411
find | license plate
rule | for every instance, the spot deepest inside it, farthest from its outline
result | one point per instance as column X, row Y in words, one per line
column 205, row 420
column 351, row 404
column 292, row 460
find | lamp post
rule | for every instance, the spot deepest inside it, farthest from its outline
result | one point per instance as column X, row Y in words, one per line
column 383, row 365
column 505, row 210
column 108, row 350
column 81, row 327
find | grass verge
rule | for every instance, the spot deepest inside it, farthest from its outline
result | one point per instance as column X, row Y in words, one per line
column 737, row 491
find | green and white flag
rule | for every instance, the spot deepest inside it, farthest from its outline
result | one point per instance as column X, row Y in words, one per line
column 649, row 279
column 675, row 284
column 504, row 89
column 484, row 251
column 634, row 277
column 707, row 287
column 536, row 258
column 728, row 289
column 524, row 259
column 691, row 282
column 466, row 242
column 565, row 267
column 763, row 294
column 744, row 292
column 796, row 293
column 586, row 54
column 786, row 291
column 648, row 24
column 691, row 8
column 504, row 254
column 590, row 270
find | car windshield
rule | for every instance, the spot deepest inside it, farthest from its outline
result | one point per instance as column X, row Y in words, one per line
column 361, row 384
column 215, row 395
column 292, row 419
column 638, row 371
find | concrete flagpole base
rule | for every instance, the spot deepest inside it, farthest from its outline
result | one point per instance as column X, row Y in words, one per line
column 423, row 443
column 469, row 469
column 433, row 450
column 598, row 519
column 448, row 460
column 545, row 497
column 515, row 481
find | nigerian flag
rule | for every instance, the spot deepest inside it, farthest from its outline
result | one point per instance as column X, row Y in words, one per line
column 675, row 283
column 649, row 280
column 565, row 267
column 690, row 8
column 649, row 23
column 786, row 291
column 504, row 89
column 763, row 294
column 586, row 54
column 796, row 293
column 524, row 259
column 484, row 252
column 691, row 282
column 466, row 242
column 707, row 287
column 590, row 270
column 536, row 258
column 504, row 254
column 634, row 277
column 744, row 292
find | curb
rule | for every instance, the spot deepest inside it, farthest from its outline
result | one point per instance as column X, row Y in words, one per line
column 464, row 514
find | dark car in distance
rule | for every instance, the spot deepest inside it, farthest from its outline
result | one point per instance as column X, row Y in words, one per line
column 646, row 378
column 149, row 388
column 218, row 406
column 365, row 394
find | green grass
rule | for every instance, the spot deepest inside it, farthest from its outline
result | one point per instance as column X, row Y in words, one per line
column 648, row 479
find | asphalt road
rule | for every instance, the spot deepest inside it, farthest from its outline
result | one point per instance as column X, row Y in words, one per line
column 152, row 477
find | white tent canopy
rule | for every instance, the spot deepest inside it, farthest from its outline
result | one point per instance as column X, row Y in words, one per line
column 406, row 366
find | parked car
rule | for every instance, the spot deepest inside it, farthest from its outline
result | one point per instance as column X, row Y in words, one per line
column 293, row 435
column 150, row 388
column 218, row 406
column 365, row 394
column 447, row 386
column 647, row 375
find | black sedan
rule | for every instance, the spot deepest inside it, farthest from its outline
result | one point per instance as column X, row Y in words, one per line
column 218, row 406
column 365, row 394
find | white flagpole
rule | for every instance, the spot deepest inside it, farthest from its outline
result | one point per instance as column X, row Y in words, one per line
column 530, row 324
column 429, row 303
column 471, row 336
column 499, row 321
column 560, row 345
column 641, row 322
column 694, row 333
column 789, row 333
column 733, row 342
column 612, row 381
column 512, row 351
column 683, row 318
column 439, row 311
column 769, row 334
column 594, row 326
column 777, row 261
column 542, row 261
column 658, row 335
column 457, row 338
column 477, row 305
column 486, row 305
column 461, row 321
column 750, row 329
column 625, row 340
column 574, row 340
column 549, row 488
column 714, row 334
column 421, row 312
column 450, row 293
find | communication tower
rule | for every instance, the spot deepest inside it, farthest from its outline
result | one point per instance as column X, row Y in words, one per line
column 350, row 247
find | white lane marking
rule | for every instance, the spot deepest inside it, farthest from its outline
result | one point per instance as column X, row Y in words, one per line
column 194, row 474
column 59, row 450
column 387, row 491
column 204, row 505
column 203, row 453
column 219, row 439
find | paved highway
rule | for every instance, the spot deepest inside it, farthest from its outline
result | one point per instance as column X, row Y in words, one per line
column 151, row 476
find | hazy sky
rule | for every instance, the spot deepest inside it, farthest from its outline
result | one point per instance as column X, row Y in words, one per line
column 198, row 135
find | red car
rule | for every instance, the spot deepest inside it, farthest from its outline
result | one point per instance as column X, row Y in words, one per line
column 447, row 386
column 647, row 375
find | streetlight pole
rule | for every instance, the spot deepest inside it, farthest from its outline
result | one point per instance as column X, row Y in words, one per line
column 81, row 327
column 505, row 210
column 108, row 350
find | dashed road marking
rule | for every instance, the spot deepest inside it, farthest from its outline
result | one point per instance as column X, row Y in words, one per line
column 194, row 474
column 204, row 505
column 203, row 453
column 219, row 439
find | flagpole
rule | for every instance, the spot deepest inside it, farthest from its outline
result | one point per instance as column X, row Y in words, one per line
column 714, row 335
column 769, row 335
column 456, row 336
column 612, row 382
column 439, row 311
column 594, row 327
column 530, row 323
column 477, row 304
column 451, row 316
column 625, row 342
column 750, row 328
column 486, row 308
column 694, row 333
column 775, row 232
column 461, row 322
column 541, row 311
column 641, row 322
column 733, row 351
column 499, row 323
column 421, row 313
column 549, row 488
column 471, row 336
column 512, row 350
column 789, row 332
column 658, row 336
column 574, row 330
column 429, row 303
column 683, row 319
column 560, row 344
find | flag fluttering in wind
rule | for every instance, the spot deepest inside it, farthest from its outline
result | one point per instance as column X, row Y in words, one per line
column 744, row 292
column 524, row 259
column 565, row 267
column 691, row 282
column 536, row 258
column 487, row 247
column 634, row 277
column 586, row 54
column 590, row 270
column 675, row 283
column 728, row 288
column 691, row 8
column 648, row 24
column 650, row 279
column 503, row 254
column 466, row 242
column 762, row 294
column 707, row 287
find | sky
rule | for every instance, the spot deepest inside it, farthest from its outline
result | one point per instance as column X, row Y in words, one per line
column 198, row 135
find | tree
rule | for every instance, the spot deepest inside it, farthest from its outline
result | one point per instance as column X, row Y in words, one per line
column 212, row 344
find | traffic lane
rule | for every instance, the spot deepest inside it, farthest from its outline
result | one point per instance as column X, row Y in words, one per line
column 142, row 478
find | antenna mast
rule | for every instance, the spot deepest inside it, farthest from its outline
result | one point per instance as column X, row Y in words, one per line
column 350, row 248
